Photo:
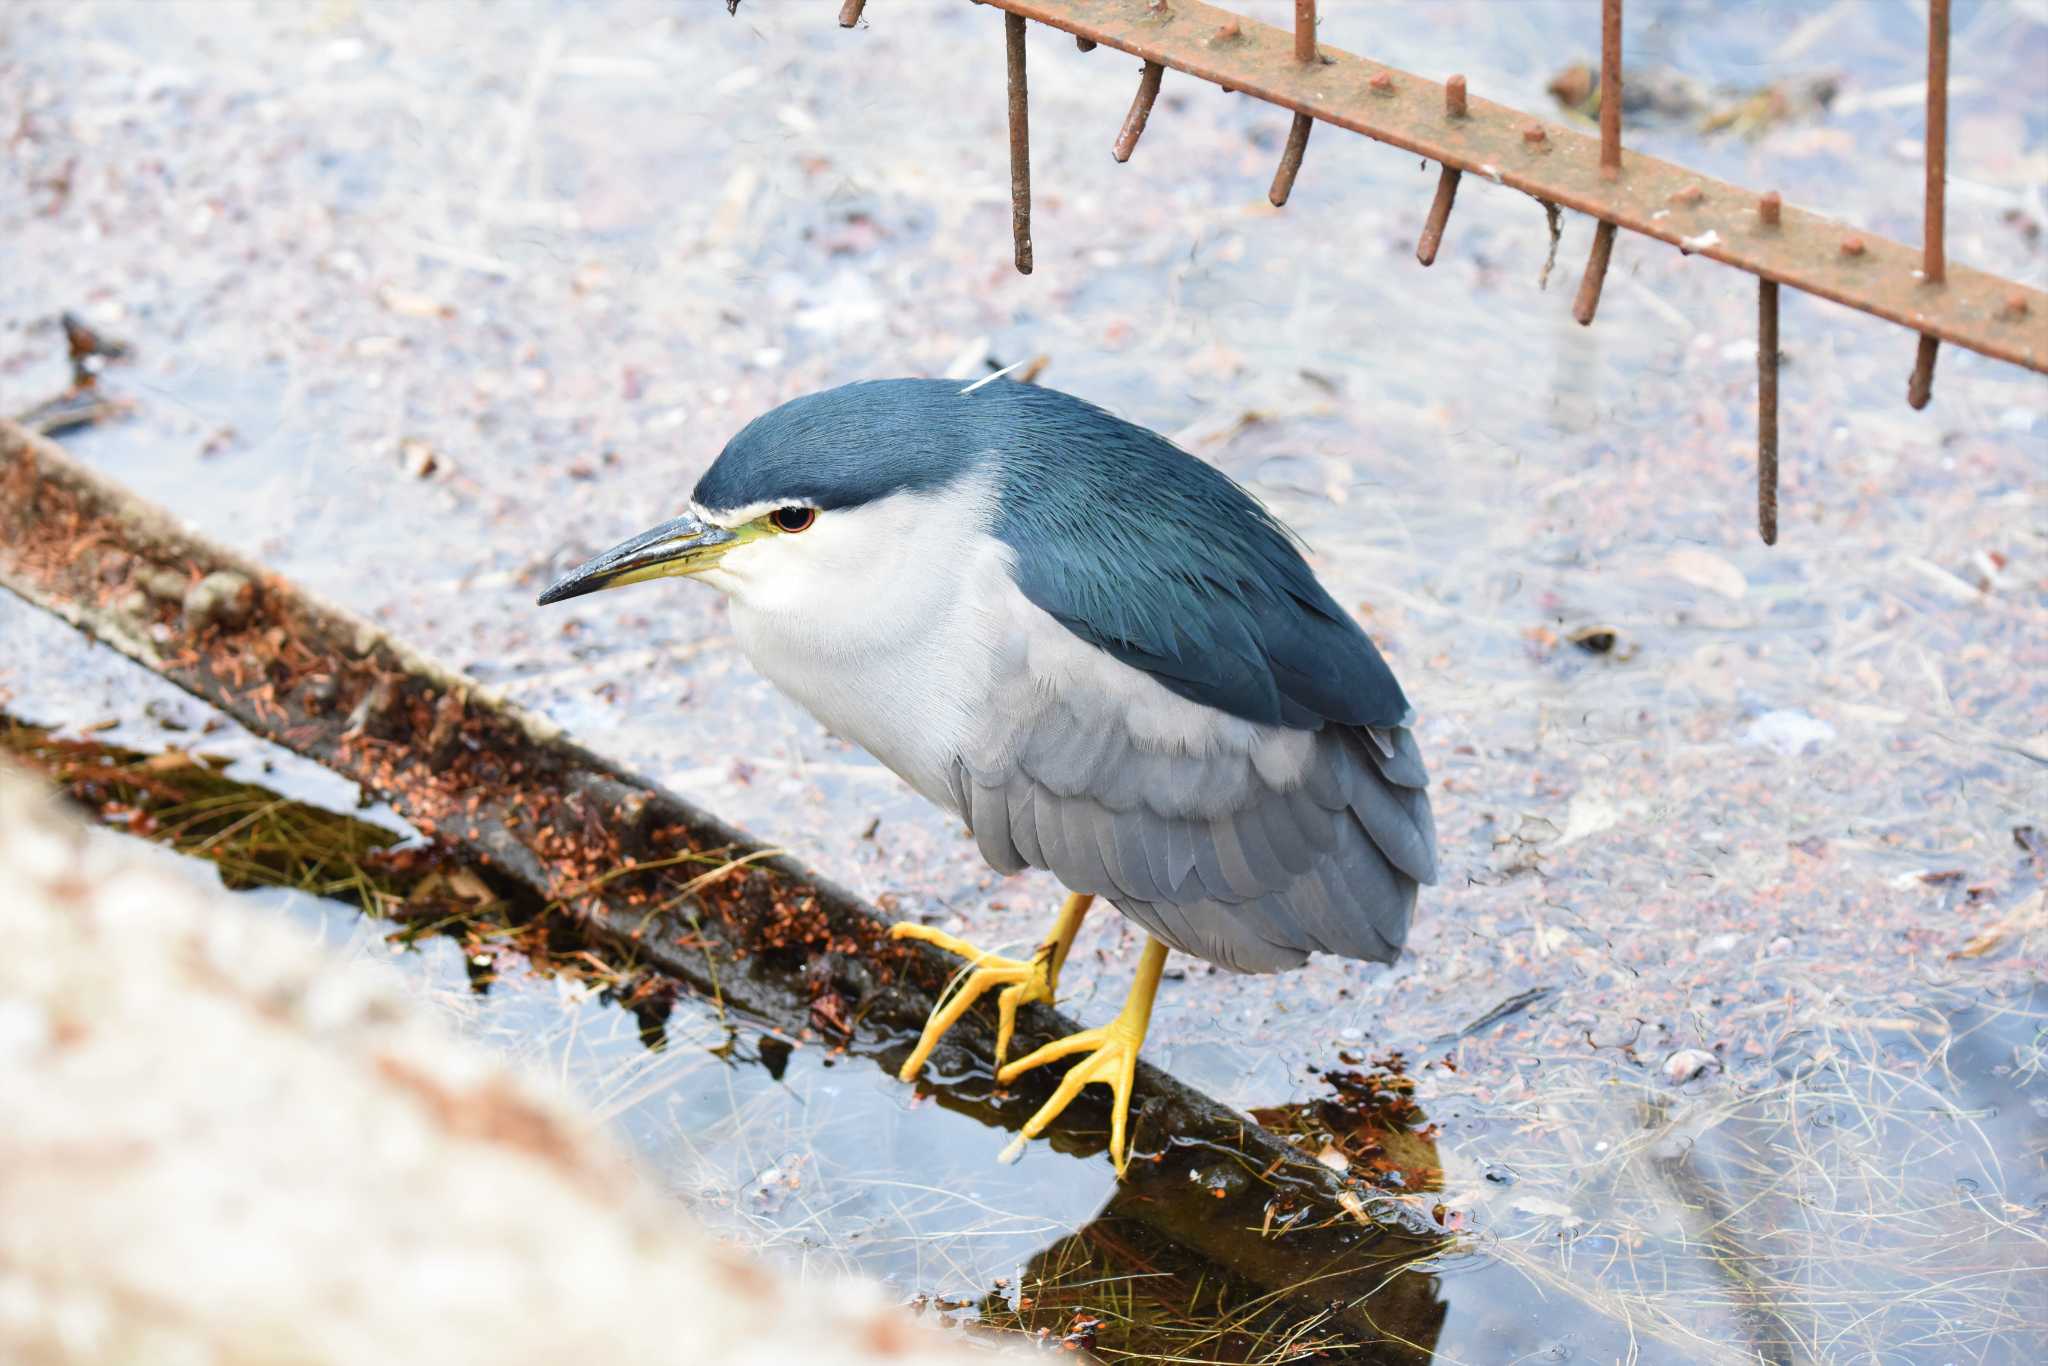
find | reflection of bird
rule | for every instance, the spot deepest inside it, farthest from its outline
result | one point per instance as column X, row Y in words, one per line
column 1097, row 650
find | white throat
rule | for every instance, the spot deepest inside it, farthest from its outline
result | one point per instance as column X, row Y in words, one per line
column 877, row 620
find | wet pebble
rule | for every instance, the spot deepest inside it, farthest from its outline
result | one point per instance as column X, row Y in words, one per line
column 1685, row 1064
column 1219, row 1179
column 165, row 585
column 1789, row 733
column 167, row 713
column 220, row 599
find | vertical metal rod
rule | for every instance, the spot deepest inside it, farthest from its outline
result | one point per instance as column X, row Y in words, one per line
column 1304, row 30
column 1610, row 88
column 1020, row 141
column 1141, row 110
column 1454, row 98
column 1935, row 268
column 1920, row 384
column 1934, row 265
column 1767, row 411
column 1439, row 214
column 1588, row 301
column 1290, row 160
column 1085, row 44
column 849, row 13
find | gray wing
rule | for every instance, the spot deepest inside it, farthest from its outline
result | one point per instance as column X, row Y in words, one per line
column 1247, row 845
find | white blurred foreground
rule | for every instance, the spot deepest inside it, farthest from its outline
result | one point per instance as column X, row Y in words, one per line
column 221, row 1145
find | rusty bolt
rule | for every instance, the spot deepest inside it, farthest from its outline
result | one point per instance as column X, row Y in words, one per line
column 1454, row 97
column 2015, row 305
column 1690, row 195
column 1230, row 30
column 1533, row 133
column 1770, row 209
column 1381, row 83
column 1852, row 246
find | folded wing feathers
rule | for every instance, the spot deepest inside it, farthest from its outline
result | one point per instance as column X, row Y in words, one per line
column 1261, row 877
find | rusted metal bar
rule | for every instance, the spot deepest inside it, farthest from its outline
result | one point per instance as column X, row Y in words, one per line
column 1439, row 214
column 1974, row 309
column 1290, row 160
column 1934, row 262
column 1595, row 277
column 1141, row 110
column 1767, row 410
column 1020, row 141
column 849, row 13
column 1610, row 88
column 1304, row 30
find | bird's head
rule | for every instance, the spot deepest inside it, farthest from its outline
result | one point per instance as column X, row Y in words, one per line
column 820, row 500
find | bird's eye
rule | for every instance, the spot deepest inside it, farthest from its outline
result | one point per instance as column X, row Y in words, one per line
column 793, row 519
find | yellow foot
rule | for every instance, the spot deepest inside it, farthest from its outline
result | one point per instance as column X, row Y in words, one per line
column 1036, row 980
column 1021, row 981
column 1112, row 1060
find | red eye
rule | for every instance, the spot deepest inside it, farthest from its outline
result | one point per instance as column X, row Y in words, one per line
column 793, row 519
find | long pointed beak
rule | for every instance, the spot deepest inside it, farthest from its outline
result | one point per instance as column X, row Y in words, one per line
column 687, row 545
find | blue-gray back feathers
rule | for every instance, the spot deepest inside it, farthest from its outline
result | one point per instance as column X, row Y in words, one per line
column 1129, row 542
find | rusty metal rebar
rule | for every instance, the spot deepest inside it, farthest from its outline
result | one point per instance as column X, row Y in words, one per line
column 1455, row 106
column 1934, row 261
column 1610, row 88
column 1290, row 160
column 1304, row 30
column 1141, row 110
column 1920, row 384
column 1595, row 277
column 1439, row 214
column 1767, row 411
column 849, row 13
column 1935, row 265
column 1085, row 44
column 1975, row 309
column 1020, row 140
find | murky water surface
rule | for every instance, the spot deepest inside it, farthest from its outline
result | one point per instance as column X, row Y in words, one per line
column 1728, row 1012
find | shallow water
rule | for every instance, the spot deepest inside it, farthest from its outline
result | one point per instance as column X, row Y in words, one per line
column 570, row 249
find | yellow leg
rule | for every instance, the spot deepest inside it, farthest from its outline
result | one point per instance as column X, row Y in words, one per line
column 1035, row 980
column 1112, row 1060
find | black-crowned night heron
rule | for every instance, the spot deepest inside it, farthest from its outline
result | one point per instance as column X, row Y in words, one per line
column 1099, row 652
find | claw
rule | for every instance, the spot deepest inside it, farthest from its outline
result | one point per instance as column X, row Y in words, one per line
column 1112, row 1060
column 1022, row 982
